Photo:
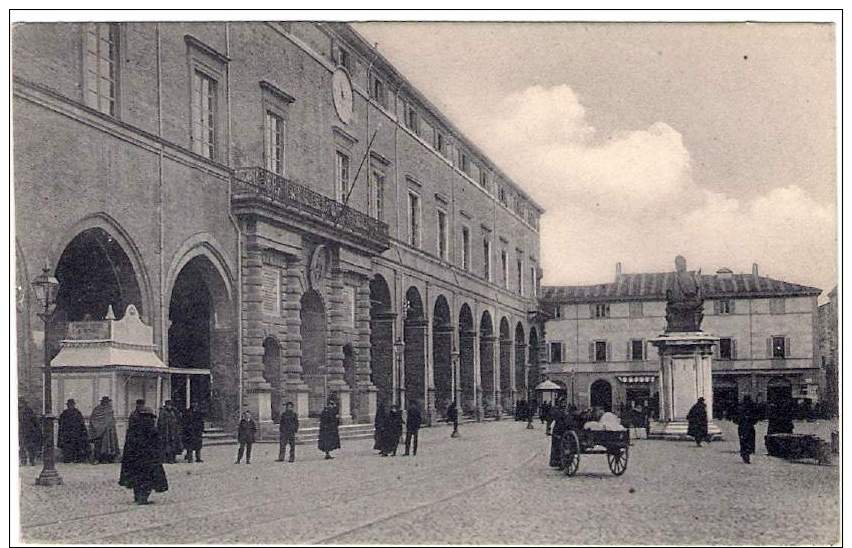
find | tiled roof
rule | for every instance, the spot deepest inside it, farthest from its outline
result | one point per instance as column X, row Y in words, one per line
column 652, row 287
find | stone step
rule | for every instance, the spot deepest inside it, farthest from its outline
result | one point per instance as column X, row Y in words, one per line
column 269, row 434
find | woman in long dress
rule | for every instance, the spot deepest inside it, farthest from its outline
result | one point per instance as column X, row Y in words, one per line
column 142, row 463
column 697, row 419
column 329, row 439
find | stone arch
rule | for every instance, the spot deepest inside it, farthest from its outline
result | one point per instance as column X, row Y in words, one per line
column 521, row 361
column 486, row 363
column 381, row 338
column 314, row 332
column 205, row 245
column 414, row 337
column 534, row 369
column 600, row 394
column 505, row 382
column 467, row 371
column 442, row 346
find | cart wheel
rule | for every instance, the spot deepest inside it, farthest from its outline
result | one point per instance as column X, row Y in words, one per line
column 570, row 454
column 617, row 460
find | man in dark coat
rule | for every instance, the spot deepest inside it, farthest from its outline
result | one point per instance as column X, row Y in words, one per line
column 29, row 434
column 287, row 428
column 521, row 410
column 697, row 419
column 102, row 432
column 193, row 432
column 561, row 424
column 379, row 425
column 453, row 417
column 412, row 427
column 246, row 433
column 392, row 431
column 329, row 439
column 73, row 439
column 168, row 425
column 747, row 416
column 142, row 462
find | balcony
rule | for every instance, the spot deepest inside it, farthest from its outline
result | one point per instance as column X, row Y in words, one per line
column 307, row 205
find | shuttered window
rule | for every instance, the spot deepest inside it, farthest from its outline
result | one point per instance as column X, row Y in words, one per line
column 778, row 347
column 636, row 349
column 600, row 351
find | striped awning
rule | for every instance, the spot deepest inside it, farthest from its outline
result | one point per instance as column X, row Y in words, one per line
column 637, row 379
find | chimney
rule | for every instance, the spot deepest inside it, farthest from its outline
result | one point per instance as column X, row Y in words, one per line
column 617, row 270
column 754, row 271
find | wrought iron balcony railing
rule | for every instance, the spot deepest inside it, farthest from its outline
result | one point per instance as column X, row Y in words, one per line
column 302, row 199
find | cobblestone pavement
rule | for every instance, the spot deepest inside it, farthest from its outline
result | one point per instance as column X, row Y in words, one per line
column 492, row 485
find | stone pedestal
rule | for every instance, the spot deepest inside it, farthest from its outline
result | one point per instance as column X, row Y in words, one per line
column 367, row 394
column 685, row 375
column 344, row 395
column 259, row 402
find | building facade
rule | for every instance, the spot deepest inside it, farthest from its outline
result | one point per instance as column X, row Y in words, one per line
column 598, row 338
column 281, row 206
column 829, row 357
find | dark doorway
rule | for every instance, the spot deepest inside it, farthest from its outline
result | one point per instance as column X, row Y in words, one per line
column 601, row 395
column 381, row 339
column 442, row 344
column 272, row 373
column 313, row 331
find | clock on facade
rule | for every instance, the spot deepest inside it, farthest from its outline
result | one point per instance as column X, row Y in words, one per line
column 342, row 89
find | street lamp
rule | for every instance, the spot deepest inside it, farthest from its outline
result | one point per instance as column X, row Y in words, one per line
column 45, row 288
column 454, row 364
column 399, row 346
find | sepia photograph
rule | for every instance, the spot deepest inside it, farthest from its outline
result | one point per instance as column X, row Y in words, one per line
column 592, row 258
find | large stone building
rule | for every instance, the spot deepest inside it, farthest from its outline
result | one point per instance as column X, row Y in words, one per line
column 281, row 205
column 828, row 351
column 598, row 337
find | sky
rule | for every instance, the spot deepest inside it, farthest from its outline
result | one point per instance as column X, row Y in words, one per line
column 645, row 141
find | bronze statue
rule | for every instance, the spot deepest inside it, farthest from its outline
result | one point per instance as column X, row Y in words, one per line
column 684, row 300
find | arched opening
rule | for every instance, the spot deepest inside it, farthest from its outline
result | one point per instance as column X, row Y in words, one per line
column 349, row 374
column 778, row 389
column 486, row 363
column 506, row 395
column 414, row 337
column 272, row 373
column 313, row 331
column 600, row 395
column 534, row 372
column 94, row 273
column 381, row 338
column 442, row 347
column 521, row 362
column 467, row 338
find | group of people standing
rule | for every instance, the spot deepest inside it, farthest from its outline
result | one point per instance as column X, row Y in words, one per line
column 388, row 425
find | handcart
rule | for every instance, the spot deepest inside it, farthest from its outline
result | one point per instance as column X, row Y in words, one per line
column 615, row 444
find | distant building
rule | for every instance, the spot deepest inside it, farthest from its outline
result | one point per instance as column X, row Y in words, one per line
column 598, row 337
column 828, row 352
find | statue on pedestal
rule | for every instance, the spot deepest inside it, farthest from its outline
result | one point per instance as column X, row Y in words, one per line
column 684, row 300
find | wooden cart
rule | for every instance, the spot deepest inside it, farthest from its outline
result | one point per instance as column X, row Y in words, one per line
column 615, row 444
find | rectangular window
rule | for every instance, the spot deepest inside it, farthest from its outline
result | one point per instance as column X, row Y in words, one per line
column 556, row 355
column 412, row 120
column 533, row 281
column 275, row 134
column 776, row 306
column 504, row 268
column 520, row 277
column 342, row 58
column 637, row 349
column 483, row 178
column 779, row 347
column 377, row 92
column 413, row 219
column 341, row 176
column 557, row 311
column 377, row 179
column 726, row 306
column 203, row 114
column 464, row 162
column 636, row 310
column 501, row 195
column 486, row 259
column 442, row 234
column 726, row 348
column 101, row 67
column 440, row 143
column 600, row 351
column 466, row 248
column 600, row 310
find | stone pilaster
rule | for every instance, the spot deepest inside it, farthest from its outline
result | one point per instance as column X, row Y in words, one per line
column 295, row 389
column 257, row 390
column 366, row 404
column 334, row 369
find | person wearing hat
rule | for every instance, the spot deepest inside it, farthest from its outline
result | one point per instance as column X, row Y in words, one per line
column 29, row 433
column 142, row 462
column 102, row 432
column 73, row 439
column 168, row 425
column 697, row 419
column 287, row 427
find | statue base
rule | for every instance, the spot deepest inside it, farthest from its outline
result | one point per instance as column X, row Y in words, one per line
column 676, row 430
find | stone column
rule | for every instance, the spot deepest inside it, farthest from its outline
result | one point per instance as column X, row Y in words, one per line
column 295, row 389
column 429, row 381
column 477, row 380
column 258, row 391
column 334, row 348
column 366, row 405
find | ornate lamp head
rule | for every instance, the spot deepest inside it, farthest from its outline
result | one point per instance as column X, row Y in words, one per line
column 46, row 288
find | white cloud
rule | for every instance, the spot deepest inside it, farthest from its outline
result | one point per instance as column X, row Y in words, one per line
column 630, row 197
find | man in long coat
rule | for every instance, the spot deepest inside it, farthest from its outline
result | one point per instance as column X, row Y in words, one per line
column 29, row 434
column 747, row 416
column 142, row 462
column 697, row 419
column 193, row 432
column 102, row 432
column 169, row 429
column 453, row 417
column 379, row 425
column 561, row 419
column 329, row 439
column 392, row 431
column 412, row 427
column 287, row 427
column 73, row 439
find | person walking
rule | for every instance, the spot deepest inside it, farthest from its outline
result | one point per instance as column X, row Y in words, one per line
column 697, row 419
column 562, row 422
column 73, row 438
column 193, row 432
column 393, row 431
column 246, row 433
column 329, row 438
column 142, row 462
column 746, row 417
column 29, row 434
column 378, row 426
column 102, row 432
column 412, row 427
column 169, row 429
column 453, row 417
column 287, row 428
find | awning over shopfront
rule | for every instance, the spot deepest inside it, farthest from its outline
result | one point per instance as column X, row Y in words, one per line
column 637, row 379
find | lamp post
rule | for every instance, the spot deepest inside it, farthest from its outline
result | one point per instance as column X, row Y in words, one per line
column 45, row 288
column 454, row 365
column 399, row 346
